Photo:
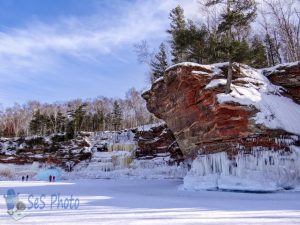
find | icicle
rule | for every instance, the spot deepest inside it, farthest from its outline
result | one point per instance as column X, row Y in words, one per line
column 263, row 169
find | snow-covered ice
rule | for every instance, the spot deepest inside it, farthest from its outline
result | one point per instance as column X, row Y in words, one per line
column 132, row 201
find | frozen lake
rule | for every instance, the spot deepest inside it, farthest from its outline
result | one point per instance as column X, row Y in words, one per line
column 146, row 202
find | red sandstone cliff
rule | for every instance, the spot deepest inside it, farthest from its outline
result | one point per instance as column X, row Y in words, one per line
column 256, row 114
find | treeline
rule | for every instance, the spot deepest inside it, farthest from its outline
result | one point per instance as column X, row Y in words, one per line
column 258, row 33
column 71, row 117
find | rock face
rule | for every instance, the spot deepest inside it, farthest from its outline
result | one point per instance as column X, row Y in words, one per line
column 155, row 141
column 255, row 116
column 145, row 142
column 287, row 76
column 52, row 149
column 148, row 151
column 99, row 152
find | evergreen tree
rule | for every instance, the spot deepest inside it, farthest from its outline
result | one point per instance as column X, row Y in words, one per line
column 197, row 43
column 100, row 119
column 258, row 58
column 36, row 123
column 241, row 51
column 40, row 124
column 70, row 131
column 108, row 121
column 47, row 126
column 215, row 51
column 160, row 62
column 116, row 116
column 237, row 15
column 76, row 118
column 178, row 32
column 61, row 120
column 88, row 122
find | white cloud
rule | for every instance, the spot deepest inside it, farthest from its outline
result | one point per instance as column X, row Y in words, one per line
column 40, row 46
column 49, row 60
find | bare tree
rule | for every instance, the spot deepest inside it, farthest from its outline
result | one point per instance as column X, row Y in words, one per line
column 143, row 52
column 15, row 120
column 285, row 18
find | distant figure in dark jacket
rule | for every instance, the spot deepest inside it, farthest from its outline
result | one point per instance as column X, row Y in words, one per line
column 27, row 177
column 53, row 178
column 50, row 178
column 23, row 178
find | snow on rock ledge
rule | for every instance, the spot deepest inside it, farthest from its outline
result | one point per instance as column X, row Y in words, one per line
column 287, row 76
column 254, row 89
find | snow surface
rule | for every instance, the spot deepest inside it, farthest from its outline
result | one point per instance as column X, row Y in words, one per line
column 150, row 202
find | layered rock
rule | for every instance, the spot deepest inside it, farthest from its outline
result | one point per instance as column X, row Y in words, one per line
column 287, row 76
column 54, row 149
column 155, row 140
column 255, row 116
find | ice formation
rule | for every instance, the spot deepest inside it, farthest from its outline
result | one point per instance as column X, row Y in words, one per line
column 44, row 174
column 113, row 156
column 260, row 170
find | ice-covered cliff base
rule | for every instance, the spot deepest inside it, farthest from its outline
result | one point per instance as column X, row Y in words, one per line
column 259, row 171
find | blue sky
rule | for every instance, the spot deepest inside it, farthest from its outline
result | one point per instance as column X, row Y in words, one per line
column 56, row 50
